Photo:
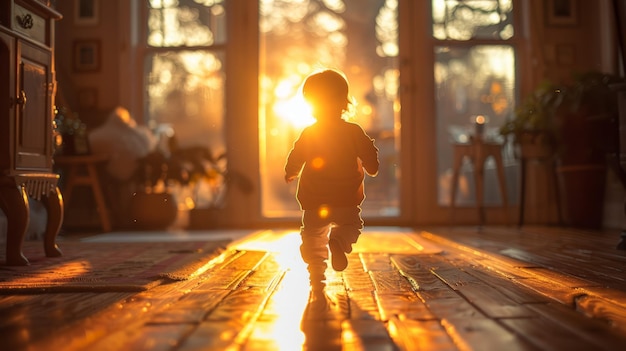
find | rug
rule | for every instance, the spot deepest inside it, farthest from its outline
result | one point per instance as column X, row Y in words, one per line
column 107, row 267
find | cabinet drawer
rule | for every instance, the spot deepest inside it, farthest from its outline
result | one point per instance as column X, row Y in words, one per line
column 29, row 23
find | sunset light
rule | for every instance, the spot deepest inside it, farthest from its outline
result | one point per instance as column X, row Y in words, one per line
column 295, row 111
column 300, row 37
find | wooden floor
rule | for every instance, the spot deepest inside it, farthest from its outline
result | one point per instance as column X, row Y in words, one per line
column 444, row 288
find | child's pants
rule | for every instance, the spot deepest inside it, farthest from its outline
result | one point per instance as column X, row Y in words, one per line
column 345, row 226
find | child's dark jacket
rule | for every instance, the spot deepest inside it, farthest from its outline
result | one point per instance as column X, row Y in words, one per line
column 330, row 158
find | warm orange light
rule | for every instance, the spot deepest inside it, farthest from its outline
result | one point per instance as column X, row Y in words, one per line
column 324, row 212
column 289, row 300
column 294, row 110
column 317, row 163
column 480, row 119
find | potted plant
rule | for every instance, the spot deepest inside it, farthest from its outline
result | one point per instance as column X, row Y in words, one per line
column 193, row 173
column 575, row 122
column 586, row 126
column 533, row 128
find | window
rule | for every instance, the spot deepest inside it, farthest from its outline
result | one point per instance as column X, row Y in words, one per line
column 474, row 75
column 184, row 70
column 184, row 75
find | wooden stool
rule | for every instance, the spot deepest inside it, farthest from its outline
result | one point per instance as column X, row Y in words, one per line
column 82, row 170
column 478, row 151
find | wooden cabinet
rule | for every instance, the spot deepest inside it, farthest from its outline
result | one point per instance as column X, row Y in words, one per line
column 27, row 91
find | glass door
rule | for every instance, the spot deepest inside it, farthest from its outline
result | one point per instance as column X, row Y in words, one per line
column 474, row 70
column 357, row 37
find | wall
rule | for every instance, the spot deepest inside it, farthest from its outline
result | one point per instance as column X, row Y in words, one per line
column 92, row 94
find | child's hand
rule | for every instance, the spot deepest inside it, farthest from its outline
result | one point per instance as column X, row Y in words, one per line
column 289, row 179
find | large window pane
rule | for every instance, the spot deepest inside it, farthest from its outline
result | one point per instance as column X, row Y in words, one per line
column 185, row 99
column 185, row 90
column 174, row 23
column 298, row 37
column 184, row 81
column 470, row 81
column 472, row 19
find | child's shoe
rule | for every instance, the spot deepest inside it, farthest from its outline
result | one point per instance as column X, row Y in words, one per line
column 338, row 256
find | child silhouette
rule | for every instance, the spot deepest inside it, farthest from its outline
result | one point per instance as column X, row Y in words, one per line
column 330, row 158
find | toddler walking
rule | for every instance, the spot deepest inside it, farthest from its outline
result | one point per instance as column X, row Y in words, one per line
column 330, row 158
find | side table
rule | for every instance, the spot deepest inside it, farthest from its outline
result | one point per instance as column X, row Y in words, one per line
column 478, row 151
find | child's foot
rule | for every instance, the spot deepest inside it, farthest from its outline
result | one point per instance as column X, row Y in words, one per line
column 338, row 256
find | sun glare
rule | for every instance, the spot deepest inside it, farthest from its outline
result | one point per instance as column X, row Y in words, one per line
column 295, row 111
column 290, row 106
column 281, row 326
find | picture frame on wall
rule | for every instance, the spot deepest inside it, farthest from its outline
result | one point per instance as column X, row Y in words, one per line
column 87, row 55
column 562, row 12
column 86, row 12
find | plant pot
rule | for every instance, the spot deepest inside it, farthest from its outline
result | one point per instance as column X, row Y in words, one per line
column 582, row 194
column 152, row 210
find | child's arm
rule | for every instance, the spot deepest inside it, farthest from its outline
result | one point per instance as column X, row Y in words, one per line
column 368, row 153
column 294, row 164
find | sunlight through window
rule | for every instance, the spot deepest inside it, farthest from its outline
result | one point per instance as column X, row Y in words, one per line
column 475, row 78
column 302, row 36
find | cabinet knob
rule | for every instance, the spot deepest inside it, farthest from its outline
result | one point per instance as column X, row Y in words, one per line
column 21, row 99
column 25, row 21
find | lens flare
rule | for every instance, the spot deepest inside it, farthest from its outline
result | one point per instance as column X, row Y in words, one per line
column 318, row 163
column 324, row 212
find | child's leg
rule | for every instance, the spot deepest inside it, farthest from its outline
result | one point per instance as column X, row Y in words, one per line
column 348, row 226
column 314, row 233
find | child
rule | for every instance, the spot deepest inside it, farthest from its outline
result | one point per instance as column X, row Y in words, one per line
column 330, row 157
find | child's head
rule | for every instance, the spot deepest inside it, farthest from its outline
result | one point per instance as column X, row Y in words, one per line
column 327, row 93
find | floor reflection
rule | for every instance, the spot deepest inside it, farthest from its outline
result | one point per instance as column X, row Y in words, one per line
column 299, row 317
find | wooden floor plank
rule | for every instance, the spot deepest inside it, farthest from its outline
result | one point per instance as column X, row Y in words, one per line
column 156, row 337
column 389, row 281
column 363, row 305
column 547, row 336
column 191, row 308
column 359, row 281
column 367, row 335
column 483, row 334
column 402, row 304
column 594, row 331
column 508, row 287
column 417, row 335
column 378, row 262
column 239, row 304
column 27, row 319
column 223, row 279
column 602, row 309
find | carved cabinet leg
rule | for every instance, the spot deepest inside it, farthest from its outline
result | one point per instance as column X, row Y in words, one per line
column 14, row 203
column 54, row 205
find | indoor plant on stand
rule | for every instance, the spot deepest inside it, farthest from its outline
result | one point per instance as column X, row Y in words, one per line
column 577, row 122
column 163, row 180
column 586, row 125
column 190, row 177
